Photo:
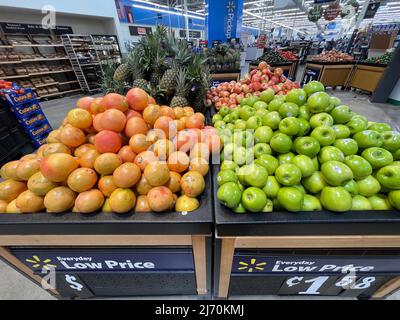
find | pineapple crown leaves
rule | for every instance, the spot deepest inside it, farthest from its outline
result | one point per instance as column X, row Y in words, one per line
column 182, row 85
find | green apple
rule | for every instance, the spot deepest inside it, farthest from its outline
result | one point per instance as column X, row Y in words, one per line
column 271, row 120
column 347, row 146
column 229, row 165
column 288, row 174
column 361, row 168
column 304, row 127
column 321, row 119
column 336, row 173
column 228, row 151
column 268, row 162
column 313, row 86
column 330, row 153
column 254, row 199
column 380, row 127
column 269, row 207
column 288, row 109
column 230, row 118
column 315, row 163
column 216, row 117
column 341, row 114
column 261, row 148
column 281, row 143
column 240, row 124
column 256, row 175
column 389, row 177
column 304, row 113
column 336, row 199
column 291, row 198
column 311, row 203
column 352, row 187
column 225, row 176
column 324, row 135
column 261, row 112
column 289, row 126
column 396, row 155
column 224, row 111
column 368, row 186
column 253, row 123
column 263, row 134
column 357, row 124
column 241, row 155
column 318, row 102
column 240, row 209
column 342, row 131
column 394, row 198
column 229, row 194
column 315, row 183
column 307, row 146
column 243, row 138
column 377, row 157
column 260, row 105
column 360, row 203
column 368, row 138
column 305, row 164
column 252, row 100
column 219, row 124
column 286, row 158
column 267, row 95
column 246, row 112
column 272, row 187
column 297, row 96
column 241, row 174
column 335, row 101
column 391, row 140
column 380, row 202
column 275, row 104
column 300, row 188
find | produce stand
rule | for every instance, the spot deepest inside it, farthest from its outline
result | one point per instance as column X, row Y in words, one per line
column 110, row 255
column 366, row 76
column 306, row 253
column 224, row 76
column 331, row 74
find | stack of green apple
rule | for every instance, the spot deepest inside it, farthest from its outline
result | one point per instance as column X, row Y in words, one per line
column 305, row 152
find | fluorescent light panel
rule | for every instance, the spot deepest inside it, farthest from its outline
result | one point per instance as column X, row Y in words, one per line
column 167, row 11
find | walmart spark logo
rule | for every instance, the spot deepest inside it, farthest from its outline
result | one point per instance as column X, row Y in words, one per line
column 38, row 264
column 251, row 266
column 231, row 6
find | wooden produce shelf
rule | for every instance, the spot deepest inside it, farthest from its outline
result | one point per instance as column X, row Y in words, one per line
column 58, row 93
column 366, row 76
column 331, row 74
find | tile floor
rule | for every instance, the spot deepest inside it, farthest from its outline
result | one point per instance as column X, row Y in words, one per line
column 15, row 286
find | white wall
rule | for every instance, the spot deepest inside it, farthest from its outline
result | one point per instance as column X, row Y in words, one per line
column 101, row 10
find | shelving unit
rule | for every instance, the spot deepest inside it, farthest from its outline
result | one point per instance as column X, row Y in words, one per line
column 84, row 60
column 42, row 53
column 108, row 49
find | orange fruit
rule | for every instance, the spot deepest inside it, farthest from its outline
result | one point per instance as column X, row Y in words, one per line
column 168, row 112
column 195, row 121
column 115, row 101
column 40, row 185
column 142, row 205
column 180, row 125
column 127, row 154
column 155, row 134
column 88, row 159
column 29, row 202
column 200, row 165
column 122, row 200
column 59, row 199
column 163, row 148
column 55, row 148
column 143, row 187
column 160, row 199
column 192, row 184
column 186, row 139
column 106, row 185
column 156, row 173
column 11, row 189
column 82, row 179
column 80, row 151
column 107, row 141
column 57, row 167
column 178, row 161
column 113, row 120
column 144, row 158
column 132, row 113
column 152, row 113
column 97, row 122
column 89, row 201
column 188, row 111
column 72, row 137
column 179, row 112
column 97, row 106
column 126, row 175
column 106, row 163
column 214, row 144
column 167, row 125
column 174, row 182
column 80, row 118
column 138, row 99
column 200, row 150
column 139, row 143
column 27, row 168
column 134, row 126
column 85, row 103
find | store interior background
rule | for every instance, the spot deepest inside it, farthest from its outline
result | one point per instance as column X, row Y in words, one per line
column 101, row 17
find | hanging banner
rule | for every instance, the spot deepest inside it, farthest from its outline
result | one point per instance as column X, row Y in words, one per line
column 331, row 12
column 371, row 10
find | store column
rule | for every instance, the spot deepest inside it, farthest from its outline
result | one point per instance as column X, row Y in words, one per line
column 223, row 20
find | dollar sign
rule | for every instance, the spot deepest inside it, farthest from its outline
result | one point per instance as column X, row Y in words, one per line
column 294, row 281
column 73, row 282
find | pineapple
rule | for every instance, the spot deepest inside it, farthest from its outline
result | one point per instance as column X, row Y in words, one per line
column 182, row 89
column 122, row 72
column 168, row 81
column 137, row 72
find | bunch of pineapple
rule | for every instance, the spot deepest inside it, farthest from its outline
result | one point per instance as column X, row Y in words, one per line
column 167, row 69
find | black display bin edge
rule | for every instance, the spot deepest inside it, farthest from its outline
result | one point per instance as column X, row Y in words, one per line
column 283, row 223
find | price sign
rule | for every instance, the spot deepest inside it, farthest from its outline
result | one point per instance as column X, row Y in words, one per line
column 310, row 75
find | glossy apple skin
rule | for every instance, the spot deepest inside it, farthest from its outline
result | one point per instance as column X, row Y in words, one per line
column 380, row 127
column 305, row 164
column 360, row 203
column 352, row 187
column 315, row 183
column 380, row 202
column 267, row 95
column 289, row 126
column 389, row 177
column 272, row 120
column 336, row 173
column 263, row 134
column 269, row 162
column 361, row 168
column 281, row 143
column 246, row 112
column 307, row 146
column 336, row 199
column 321, row 119
column 348, row 146
column 304, row 113
column 288, row 109
column 391, row 140
column 377, row 157
column 330, row 153
column 229, row 194
column 311, row 203
column 297, row 96
column 254, row 199
column 368, row 186
column 291, row 199
column 318, row 102
column 272, row 187
column 368, row 139
column 253, row 123
column 261, row 148
column 313, row 87
column 341, row 131
column 288, row 174
column 324, row 135
column 394, row 199
column 341, row 114
column 286, row 158
column 256, row 176
column 357, row 124
column 304, row 127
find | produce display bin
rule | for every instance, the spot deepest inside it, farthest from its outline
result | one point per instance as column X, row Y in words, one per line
column 366, row 76
column 331, row 74
column 225, row 76
column 306, row 253
column 113, row 255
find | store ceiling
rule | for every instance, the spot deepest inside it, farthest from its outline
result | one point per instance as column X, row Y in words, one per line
column 260, row 14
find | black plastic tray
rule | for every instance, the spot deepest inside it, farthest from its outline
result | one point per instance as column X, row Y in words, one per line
column 372, row 64
column 288, row 63
column 196, row 222
column 283, row 223
column 331, row 63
